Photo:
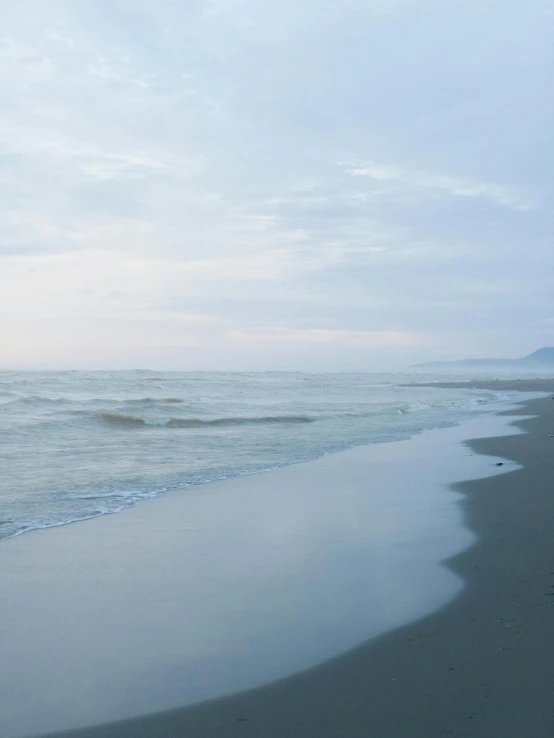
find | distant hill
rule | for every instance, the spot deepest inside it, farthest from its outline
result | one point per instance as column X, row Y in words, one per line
column 543, row 357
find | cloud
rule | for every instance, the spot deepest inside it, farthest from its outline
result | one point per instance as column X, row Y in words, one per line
column 366, row 178
column 443, row 183
column 369, row 339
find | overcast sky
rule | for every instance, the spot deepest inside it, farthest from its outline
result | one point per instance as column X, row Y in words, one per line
column 247, row 184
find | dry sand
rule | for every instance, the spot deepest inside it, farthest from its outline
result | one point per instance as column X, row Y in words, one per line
column 482, row 666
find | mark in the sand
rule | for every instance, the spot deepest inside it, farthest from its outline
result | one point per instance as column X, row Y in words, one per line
column 418, row 637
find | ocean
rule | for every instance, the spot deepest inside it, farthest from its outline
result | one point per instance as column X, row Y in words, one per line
column 75, row 445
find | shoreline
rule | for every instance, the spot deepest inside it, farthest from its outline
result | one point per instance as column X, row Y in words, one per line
column 133, row 498
column 382, row 686
column 480, row 667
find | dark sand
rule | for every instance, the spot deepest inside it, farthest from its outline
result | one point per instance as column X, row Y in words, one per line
column 482, row 666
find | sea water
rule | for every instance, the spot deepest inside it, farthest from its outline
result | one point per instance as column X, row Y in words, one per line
column 75, row 445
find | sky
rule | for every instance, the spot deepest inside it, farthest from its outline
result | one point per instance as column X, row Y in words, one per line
column 246, row 185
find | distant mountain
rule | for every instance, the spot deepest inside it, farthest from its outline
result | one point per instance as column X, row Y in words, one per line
column 543, row 357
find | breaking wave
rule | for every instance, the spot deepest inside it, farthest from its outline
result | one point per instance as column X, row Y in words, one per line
column 116, row 418
column 199, row 423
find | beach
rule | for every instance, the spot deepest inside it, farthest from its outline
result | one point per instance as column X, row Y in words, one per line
column 276, row 369
column 479, row 665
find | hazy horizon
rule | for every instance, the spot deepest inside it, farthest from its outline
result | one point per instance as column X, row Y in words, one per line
column 224, row 185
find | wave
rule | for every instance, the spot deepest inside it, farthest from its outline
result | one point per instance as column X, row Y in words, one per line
column 116, row 418
column 151, row 401
column 132, row 401
column 32, row 400
column 7, row 400
column 264, row 419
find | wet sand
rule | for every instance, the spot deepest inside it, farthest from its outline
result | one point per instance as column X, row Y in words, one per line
column 481, row 666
